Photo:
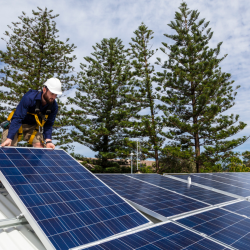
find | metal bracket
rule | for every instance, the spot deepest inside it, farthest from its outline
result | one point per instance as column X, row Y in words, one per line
column 20, row 216
column 19, row 220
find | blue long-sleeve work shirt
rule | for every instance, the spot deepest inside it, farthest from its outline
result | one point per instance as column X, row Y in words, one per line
column 28, row 104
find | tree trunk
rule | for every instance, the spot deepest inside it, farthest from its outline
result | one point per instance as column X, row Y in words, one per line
column 196, row 134
column 105, row 149
column 157, row 161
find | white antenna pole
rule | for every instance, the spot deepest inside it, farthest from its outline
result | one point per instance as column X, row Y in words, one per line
column 131, row 163
column 137, row 155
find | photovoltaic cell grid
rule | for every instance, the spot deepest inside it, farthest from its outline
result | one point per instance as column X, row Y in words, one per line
column 234, row 184
column 154, row 198
column 227, row 227
column 166, row 236
column 192, row 191
column 69, row 203
column 242, row 207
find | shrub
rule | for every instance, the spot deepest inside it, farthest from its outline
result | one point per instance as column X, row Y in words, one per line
column 97, row 169
column 147, row 169
column 112, row 170
column 125, row 169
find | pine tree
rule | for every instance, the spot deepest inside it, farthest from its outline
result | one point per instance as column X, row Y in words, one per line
column 195, row 93
column 33, row 54
column 147, row 126
column 104, row 101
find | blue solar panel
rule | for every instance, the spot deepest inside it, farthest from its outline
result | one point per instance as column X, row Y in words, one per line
column 192, row 191
column 221, row 181
column 242, row 207
column 166, row 236
column 222, row 225
column 156, row 199
column 71, row 206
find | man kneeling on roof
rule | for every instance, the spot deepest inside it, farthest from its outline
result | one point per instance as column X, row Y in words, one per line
column 34, row 117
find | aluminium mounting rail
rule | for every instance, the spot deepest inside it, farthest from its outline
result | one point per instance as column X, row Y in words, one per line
column 12, row 222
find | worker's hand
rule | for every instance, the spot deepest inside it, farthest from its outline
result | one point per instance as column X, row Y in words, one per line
column 6, row 143
column 50, row 145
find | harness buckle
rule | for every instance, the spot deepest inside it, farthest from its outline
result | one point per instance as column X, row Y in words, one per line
column 40, row 129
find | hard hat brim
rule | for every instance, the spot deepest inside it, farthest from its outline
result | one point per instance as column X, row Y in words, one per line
column 55, row 92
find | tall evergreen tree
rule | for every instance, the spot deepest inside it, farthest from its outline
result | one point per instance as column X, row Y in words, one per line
column 34, row 53
column 195, row 93
column 104, row 101
column 147, row 126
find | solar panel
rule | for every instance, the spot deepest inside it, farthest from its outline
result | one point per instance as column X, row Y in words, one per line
column 242, row 207
column 65, row 204
column 237, row 175
column 227, row 183
column 234, row 176
column 164, row 236
column 192, row 191
column 159, row 202
column 222, row 225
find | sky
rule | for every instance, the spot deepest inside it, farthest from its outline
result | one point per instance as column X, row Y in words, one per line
column 87, row 22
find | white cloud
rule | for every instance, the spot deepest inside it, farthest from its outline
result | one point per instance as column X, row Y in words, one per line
column 88, row 22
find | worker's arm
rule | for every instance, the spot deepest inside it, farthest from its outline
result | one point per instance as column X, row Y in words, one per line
column 20, row 113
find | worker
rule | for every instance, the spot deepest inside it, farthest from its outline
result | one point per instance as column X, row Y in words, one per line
column 34, row 117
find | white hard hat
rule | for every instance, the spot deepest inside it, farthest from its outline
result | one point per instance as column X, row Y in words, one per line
column 54, row 85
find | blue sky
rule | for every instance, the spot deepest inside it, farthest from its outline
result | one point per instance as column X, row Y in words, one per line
column 88, row 22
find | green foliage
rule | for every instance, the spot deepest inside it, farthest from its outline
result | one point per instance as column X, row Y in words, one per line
column 170, row 163
column 246, row 158
column 237, row 165
column 146, row 126
column 97, row 169
column 104, row 101
column 112, row 170
column 124, row 169
column 233, row 163
column 218, row 167
column 195, row 92
column 113, row 164
column 33, row 54
column 147, row 170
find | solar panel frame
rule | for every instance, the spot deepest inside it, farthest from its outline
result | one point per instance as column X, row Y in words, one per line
column 27, row 214
column 158, row 230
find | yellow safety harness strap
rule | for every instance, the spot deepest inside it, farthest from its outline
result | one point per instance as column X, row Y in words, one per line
column 39, row 124
column 37, row 119
column 10, row 115
column 20, row 131
column 33, row 135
